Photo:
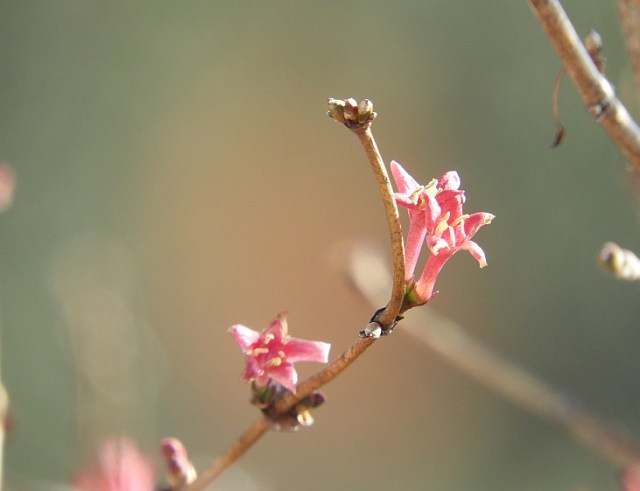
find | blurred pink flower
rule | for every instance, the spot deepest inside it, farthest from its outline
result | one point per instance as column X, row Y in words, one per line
column 630, row 477
column 121, row 467
column 435, row 213
column 270, row 354
column 7, row 185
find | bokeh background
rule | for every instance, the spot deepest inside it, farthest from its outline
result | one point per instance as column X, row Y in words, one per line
column 177, row 174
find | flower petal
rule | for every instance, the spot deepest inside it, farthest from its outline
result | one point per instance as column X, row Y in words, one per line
column 244, row 336
column 450, row 180
column 303, row 350
column 451, row 201
column 278, row 328
column 404, row 182
column 432, row 211
column 285, row 375
column 476, row 251
column 252, row 370
column 415, row 240
column 475, row 221
column 437, row 244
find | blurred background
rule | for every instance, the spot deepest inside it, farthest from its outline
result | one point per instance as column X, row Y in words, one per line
column 176, row 174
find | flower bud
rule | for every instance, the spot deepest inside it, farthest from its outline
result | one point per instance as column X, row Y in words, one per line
column 352, row 114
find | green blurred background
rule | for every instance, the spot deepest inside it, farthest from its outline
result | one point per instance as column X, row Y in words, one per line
column 177, row 174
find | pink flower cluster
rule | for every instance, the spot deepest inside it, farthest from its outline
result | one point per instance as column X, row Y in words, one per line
column 435, row 218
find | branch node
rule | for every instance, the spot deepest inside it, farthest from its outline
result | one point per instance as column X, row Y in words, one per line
column 373, row 330
column 599, row 110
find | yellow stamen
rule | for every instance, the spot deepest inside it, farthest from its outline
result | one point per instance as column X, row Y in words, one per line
column 432, row 187
column 268, row 338
column 258, row 351
column 442, row 225
column 274, row 362
column 452, row 237
column 460, row 219
column 415, row 196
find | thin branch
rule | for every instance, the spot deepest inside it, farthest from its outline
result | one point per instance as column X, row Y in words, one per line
column 233, row 453
column 456, row 346
column 596, row 91
column 358, row 118
column 323, row 377
column 630, row 19
column 392, row 310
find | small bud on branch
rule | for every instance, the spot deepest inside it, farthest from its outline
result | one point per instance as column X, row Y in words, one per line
column 350, row 113
column 621, row 263
column 180, row 470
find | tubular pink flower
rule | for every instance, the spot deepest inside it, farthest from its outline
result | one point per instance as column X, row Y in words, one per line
column 411, row 195
column 270, row 354
column 448, row 231
column 121, row 467
column 436, row 217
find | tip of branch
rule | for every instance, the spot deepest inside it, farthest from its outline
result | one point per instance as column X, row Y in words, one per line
column 352, row 114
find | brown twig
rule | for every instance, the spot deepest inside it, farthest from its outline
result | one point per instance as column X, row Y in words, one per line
column 596, row 91
column 358, row 118
column 630, row 19
column 456, row 346
column 233, row 453
column 392, row 309
column 323, row 377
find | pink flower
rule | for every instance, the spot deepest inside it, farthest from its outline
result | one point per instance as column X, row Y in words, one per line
column 121, row 467
column 7, row 185
column 270, row 354
column 435, row 214
column 630, row 477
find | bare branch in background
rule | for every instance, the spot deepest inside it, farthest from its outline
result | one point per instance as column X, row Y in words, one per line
column 630, row 19
column 596, row 91
column 367, row 272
